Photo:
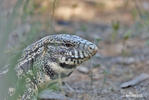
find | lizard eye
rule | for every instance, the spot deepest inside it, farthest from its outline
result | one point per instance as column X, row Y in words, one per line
column 68, row 45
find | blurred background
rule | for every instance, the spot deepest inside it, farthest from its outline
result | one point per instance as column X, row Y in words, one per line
column 120, row 29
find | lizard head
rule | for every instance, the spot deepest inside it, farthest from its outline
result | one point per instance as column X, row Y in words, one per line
column 72, row 50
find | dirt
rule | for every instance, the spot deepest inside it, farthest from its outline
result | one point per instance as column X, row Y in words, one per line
column 116, row 61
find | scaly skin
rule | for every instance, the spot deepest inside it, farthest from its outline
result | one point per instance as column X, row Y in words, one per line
column 49, row 57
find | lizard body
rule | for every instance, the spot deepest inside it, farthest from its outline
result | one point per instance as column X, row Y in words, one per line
column 57, row 54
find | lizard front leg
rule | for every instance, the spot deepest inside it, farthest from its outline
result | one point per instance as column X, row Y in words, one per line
column 31, row 90
column 39, row 78
column 34, row 84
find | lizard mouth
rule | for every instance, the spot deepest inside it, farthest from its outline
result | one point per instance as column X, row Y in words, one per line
column 70, row 63
column 75, row 58
column 67, row 66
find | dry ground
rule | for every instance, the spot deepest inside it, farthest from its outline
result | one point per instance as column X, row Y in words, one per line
column 117, row 61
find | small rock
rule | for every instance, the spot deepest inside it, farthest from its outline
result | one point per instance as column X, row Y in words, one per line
column 11, row 91
column 135, row 81
column 83, row 69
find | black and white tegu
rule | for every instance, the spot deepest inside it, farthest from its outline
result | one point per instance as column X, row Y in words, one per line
column 51, row 56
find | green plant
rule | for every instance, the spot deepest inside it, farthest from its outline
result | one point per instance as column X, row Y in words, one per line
column 115, row 27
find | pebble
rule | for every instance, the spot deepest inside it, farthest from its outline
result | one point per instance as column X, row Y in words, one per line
column 82, row 69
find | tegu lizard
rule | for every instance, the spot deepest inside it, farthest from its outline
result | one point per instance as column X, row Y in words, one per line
column 51, row 56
